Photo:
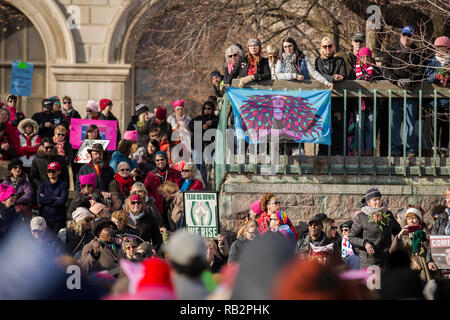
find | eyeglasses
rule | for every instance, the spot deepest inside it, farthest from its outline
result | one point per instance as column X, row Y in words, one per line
column 253, row 45
column 67, row 102
column 136, row 202
column 124, row 170
column 61, row 134
column 233, row 55
column 51, row 171
column 48, row 148
column 207, row 108
column 288, row 46
column 12, row 100
column 406, row 35
column 86, row 186
column 328, row 46
column 273, row 219
column 358, row 41
column 58, row 103
column 185, row 170
column 17, row 167
column 333, row 228
column 88, row 110
column 275, row 202
column 345, row 229
column 160, row 160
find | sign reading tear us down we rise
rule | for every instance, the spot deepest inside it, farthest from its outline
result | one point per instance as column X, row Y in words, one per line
column 201, row 213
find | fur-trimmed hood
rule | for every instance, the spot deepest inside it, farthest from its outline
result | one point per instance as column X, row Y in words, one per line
column 21, row 126
column 41, row 152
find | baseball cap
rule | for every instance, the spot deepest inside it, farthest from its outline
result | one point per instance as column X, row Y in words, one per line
column 359, row 36
column 315, row 219
column 54, row 166
column 184, row 246
column 38, row 224
column 409, row 30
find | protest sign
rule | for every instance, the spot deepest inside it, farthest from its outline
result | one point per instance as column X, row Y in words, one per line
column 83, row 155
column 107, row 130
column 440, row 251
column 21, row 78
column 201, row 213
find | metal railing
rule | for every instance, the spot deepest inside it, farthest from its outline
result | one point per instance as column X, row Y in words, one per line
column 420, row 165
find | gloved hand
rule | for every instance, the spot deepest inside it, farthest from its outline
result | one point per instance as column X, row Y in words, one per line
column 244, row 80
column 404, row 83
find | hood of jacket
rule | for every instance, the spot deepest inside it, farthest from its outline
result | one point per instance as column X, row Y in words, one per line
column 21, row 126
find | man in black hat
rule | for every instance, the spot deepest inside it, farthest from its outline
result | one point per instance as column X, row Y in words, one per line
column 46, row 119
column 99, row 165
column 358, row 41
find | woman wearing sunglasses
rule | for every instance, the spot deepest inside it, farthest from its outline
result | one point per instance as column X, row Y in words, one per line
column 191, row 179
column 63, row 147
column 330, row 229
column 232, row 55
column 140, row 218
column 270, row 205
column 123, row 180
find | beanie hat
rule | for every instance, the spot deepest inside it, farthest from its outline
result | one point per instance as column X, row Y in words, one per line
column 346, row 224
column 141, row 108
column 254, row 40
column 38, row 224
column 178, row 103
column 372, row 193
column 414, row 211
column 364, row 51
column 6, row 192
column 54, row 98
column 14, row 162
column 160, row 152
column 256, row 207
column 92, row 105
column 89, row 179
column 161, row 113
column 442, row 42
column 54, row 166
column 184, row 246
column 80, row 214
column 215, row 73
column 156, row 273
column 104, row 103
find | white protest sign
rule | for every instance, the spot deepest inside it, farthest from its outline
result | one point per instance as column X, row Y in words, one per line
column 83, row 155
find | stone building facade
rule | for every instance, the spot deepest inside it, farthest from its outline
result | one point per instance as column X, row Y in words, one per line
column 89, row 49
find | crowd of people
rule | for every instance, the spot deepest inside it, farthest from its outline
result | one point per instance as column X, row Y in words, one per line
column 127, row 212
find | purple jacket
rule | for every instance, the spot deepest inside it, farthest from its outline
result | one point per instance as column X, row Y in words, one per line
column 23, row 186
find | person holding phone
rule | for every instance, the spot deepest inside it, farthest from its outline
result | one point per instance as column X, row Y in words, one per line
column 413, row 239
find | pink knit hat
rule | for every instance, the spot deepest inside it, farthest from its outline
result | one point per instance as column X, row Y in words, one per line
column 442, row 42
column 256, row 207
column 92, row 105
column 364, row 51
column 6, row 192
column 89, row 179
column 178, row 103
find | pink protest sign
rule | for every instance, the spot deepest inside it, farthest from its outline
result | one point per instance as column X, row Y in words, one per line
column 107, row 130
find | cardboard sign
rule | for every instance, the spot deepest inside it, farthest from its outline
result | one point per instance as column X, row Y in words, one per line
column 83, row 155
column 107, row 130
column 440, row 251
column 201, row 213
column 21, row 78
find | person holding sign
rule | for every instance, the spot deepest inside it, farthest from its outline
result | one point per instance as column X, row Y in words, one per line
column 98, row 165
column 92, row 111
column 413, row 239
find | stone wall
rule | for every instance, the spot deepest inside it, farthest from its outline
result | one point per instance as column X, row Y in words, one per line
column 337, row 196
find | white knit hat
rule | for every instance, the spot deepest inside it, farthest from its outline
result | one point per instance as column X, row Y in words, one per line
column 80, row 214
column 414, row 211
column 92, row 104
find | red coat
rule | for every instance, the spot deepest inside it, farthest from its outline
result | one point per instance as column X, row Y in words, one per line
column 152, row 183
column 195, row 185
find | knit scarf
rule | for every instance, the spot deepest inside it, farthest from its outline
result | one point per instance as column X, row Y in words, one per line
column 252, row 67
column 15, row 182
column 369, row 210
column 125, row 183
column 289, row 62
column 417, row 239
column 136, row 218
column 59, row 147
column 162, row 175
column 359, row 68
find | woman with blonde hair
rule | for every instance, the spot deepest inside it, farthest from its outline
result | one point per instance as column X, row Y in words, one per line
column 248, row 232
column 174, row 198
column 120, row 219
column 139, row 188
column 63, row 147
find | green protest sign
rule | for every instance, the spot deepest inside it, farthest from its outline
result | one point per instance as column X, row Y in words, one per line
column 201, row 213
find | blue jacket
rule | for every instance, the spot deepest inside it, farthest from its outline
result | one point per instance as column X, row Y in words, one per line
column 52, row 198
column 118, row 157
column 431, row 72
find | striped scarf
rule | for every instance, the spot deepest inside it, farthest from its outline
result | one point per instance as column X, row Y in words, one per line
column 358, row 69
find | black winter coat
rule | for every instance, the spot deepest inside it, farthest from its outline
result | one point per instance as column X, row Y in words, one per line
column 403, row 63
column 38, row 173
column 331, row 66
column 41, row 118
column 151, row 124
column 440, row 223
column 236, row 249
column 241, row 70
column 148, row 230
column 203, row 119
column 363, row 230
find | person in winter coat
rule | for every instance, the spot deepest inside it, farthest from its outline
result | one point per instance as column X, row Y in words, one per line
column 79, row 233
column 158, row 121
column 61, row 119
column 98, row 165
column 351, row 57
column 18, row 179
column 251, row 67
column 413, row 239
column 372, row 230
column 280, row 222
column 63, row 147
column 330, row 230
column 123, row 180
column 105, row 108
column 88, row 192
column 101, row 253
column 92, row 111
column 348, row 254
column 8, row 216
column 68, row 110
column 158, row 176
column 122, row 155
column 332, row 68
column 295, row 65
column 29, row 142
column 46, row 154
column 11, row 128
column 140, row 218
column 403, row 67
column 438, row 72
column 139, row 188
column 179, row 120
column 52, row 197
column 134, row 123
column 7, row 150
column 273, row 55
column 38, row 228
column 232, row 55
column 269, row 205
column 214, row 257
column 120, row 219
column 248, row 232
column 46, row 119
column 11, row 105
column 317, row 238
column 175, row 208
column 190, row 178
column 146, row 161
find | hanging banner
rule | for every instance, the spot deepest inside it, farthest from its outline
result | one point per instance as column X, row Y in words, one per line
column 21, row 78
column 201, row 213
column 296, row 116
column 107, row 130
